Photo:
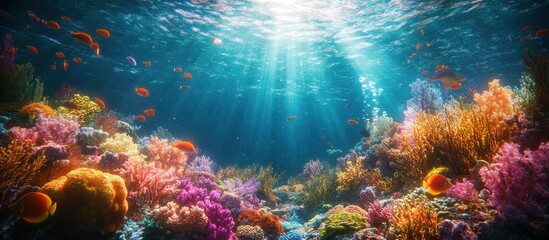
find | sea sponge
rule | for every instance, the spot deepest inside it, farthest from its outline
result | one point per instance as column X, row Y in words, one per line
column 89, row 198
column 35, row 108
column 342, row 223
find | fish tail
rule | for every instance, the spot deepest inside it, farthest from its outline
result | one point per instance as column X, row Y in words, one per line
column 52, row 208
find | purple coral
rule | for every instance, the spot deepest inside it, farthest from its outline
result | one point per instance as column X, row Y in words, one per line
column 312, row 168
column 201, row 163
column 464, row 190
column 449, row 230
column 7, row 55
column 246, row 191
column 518, row 183
column 47, row 130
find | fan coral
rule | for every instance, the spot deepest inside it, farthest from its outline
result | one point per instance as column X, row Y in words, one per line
column 48, row 130
column 20, row 86
column 247, row 232
column 464, row 190
column 518, row 183
column 184, row 219
column 201, row 163
column 88, row 197
column 165, row 156
column 121, row 142
column 35, row 108
column 425, row 97
column 13, row 158
column 81, row 107
column 269, row 223
column 148, row 185
column 106, row 121
column 342, row 223
column 312, row 168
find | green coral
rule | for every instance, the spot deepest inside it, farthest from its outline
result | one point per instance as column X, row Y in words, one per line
column 342, row 223
column 80, row 106
column 319, row 190
column 526, row 97
column 121, row 142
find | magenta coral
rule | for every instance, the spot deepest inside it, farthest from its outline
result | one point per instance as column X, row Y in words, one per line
column 147, row 184
column 518, row 183
column 378, row 214
column 464, row 190
column 47, row 130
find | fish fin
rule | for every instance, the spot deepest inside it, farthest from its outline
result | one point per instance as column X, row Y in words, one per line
column 52, row 208
column 37, row 220
column 447, row 85
column 425, row 184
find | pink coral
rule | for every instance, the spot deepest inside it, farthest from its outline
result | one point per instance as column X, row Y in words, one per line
column 57, row 130
column 147, row 184
column 464, row 190
column 165, row 156
column 518, row 183
column 379, row 214
column 184, row 219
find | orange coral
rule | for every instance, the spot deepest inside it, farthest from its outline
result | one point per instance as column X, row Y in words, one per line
column 269, row 223
column 88, row 197
column 35, row 108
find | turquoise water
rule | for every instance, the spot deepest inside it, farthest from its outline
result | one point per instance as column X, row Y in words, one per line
column 322, row 61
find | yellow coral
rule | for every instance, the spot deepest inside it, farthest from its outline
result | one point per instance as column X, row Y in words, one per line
column 415, row 218
column 350, row 177
column 121, row 142
column 88, row 197
column 80, row 106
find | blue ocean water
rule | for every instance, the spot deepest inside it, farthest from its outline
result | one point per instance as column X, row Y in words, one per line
column 322, row 61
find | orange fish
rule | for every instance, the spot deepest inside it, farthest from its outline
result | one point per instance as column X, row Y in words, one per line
column 184, row 87
column 143, row 92
column 436, row 184
column 187, row 75
column 542, row 32
column 290, row 118
column 100, row 102
column 77, row 60
column 443, row 67
column 140, row 118
column 65, row 65
column 104, row 32
column 60, row 54
column 34, row 207
column 83, row 37
column 184, row 146
column 352, row 122
column 95, row 46
column 525, row 28
column 418, row 46
column 53, row 25
column 178, row 69
column 455, row 86
column 149, row 112
column 147, row 63
column 32, row 49
column 53, row 66
column 425, row 72
column 66, row 19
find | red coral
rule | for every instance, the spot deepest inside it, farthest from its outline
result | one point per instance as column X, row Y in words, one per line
column 269, row 223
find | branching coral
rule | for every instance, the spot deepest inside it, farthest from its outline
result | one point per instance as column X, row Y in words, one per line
column 183, row 219
column 106, row 121
column 80, row 106
column 414, row 218
column 165, row 156
column 379, row 214
column 88, row 198
column 312, row 168
column 350, row 177
column 270, row 224
column 48, row 130
column 518, row 183
column 121, row 142
column 18, row 165
column 245, row 192
column 464, row 190
column 148, row 185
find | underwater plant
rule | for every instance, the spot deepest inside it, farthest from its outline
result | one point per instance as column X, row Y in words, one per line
column 268, row 179
column 414, row 218
column 18, row 165
column 350, row 177
column 538, row 64
column 526, row 100
column 319, row 190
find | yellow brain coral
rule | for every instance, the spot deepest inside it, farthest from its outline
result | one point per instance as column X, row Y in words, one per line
column 88, row 197
column 121, row 142
column 82, row 107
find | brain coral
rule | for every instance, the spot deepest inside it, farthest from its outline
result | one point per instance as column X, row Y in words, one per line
column 88, row 197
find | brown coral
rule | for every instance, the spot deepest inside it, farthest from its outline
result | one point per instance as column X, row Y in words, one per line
column 269, row 223
column 247, row 232
column 88, row 197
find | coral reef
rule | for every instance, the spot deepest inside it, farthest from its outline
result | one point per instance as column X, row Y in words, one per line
column 464, row 190
column 82, row 107
column 538, row 64
column 89, row 136
column 34, row 109
column 88, row 198
column 414, row 218
column 342, row 223
column 165, row 156
column 270, row 224
column 248, row 232
column 319, row 190
column 183, row 219
column 121, row 142
column 48, row 130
